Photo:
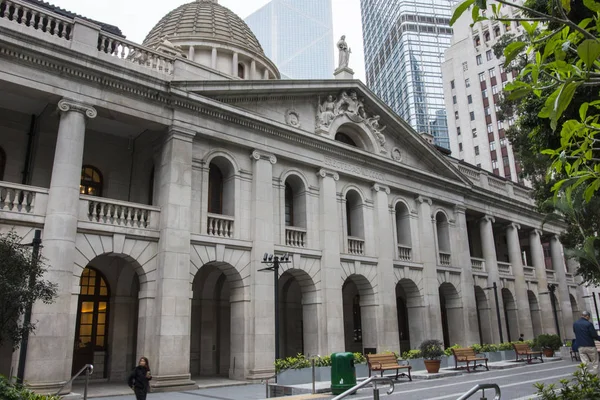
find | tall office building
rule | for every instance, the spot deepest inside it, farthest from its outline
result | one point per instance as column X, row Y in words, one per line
column 404, row 44
column 297, row 35
column 473, row 83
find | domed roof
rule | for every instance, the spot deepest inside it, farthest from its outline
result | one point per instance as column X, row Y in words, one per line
column 204, row 19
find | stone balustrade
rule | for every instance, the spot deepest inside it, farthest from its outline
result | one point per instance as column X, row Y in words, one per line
column 295, row 237
column 23, row 199
column 30, row 16
column 528, row 271
column 497, row 184
column 550, row 275
column 135, row 53
column 356, row 245
column 569, row 277
column 118, row 213
column 471, row 173
column 404, row 253
column 478, row 264
column 220, row 225
column 445, row 259
column 504, row 268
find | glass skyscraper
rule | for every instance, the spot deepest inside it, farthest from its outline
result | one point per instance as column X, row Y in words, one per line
column 404, row 44
column 297, row 35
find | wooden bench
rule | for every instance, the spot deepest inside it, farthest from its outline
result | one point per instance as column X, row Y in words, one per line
column 468, row 355
column 525, row 353
column 387, row 361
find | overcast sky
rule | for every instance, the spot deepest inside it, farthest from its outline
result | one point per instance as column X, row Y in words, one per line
column 137, row 17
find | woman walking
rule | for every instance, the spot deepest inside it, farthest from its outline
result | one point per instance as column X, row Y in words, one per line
column 139, row 379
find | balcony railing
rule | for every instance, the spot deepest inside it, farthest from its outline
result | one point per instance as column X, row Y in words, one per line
column 29, row 16
column 23, row 199
column 295, row 237
column 529, row 272
column 477, row 264
column 220, row 225
column 445, row 259
column 356, row 245
column 119, row 213
column 504, row 268
column 404, row 253
column 550, row 275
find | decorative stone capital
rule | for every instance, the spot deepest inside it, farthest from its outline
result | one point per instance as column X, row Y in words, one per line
column 179, row 133
column 421, row 200
column 258, row 155
column 460, row 209
column 378, row 187
column 488, row 218
column 66, row 105
column 324, row 173
column 513, row 225
column 537, row 232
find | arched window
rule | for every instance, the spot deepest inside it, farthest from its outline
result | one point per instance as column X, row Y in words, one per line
column 344, row 138
column 403, row 233
column 91, row 181
column 215, row 189
column 92, row 317
column 289, row 205
column 2, row 163
column 443, row 237
column 151, row 187
column 241, row 70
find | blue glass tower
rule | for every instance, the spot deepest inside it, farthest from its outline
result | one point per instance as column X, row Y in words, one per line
column 297, row 35
column 404, row 44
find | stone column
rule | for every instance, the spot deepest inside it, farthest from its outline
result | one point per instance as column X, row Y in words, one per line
column 191, row 53
column 488, row 248
column 262, row 290
column 537, row 258
column 331, row 315
column 266, row 74
column 432, row 318
column 253, row 69
column 562, row 292
column 50, row 350
column 462, row 256
column 387, row 316
column 516, row 263
column 170, row 349
column 234, row 70
column 213, row 58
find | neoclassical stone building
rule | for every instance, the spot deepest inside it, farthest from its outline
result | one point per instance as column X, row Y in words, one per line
column 161, row 173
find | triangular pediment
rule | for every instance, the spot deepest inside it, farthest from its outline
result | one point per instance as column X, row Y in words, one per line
column 325, row 107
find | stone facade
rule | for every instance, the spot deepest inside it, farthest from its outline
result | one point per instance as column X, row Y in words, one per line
column 189, row 179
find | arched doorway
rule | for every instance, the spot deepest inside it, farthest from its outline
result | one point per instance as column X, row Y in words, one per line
column 91, row 331
column 452, row 314
column 408, row 306
column 511, row 317
column 217, row 306
column 536, row 314
column 483, row 316
column 359, row 317
column 298, row 325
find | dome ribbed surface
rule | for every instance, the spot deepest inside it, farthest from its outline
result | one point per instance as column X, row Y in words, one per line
column 204, row 19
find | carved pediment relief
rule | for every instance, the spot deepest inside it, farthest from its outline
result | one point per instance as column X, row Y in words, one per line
column 348, row 105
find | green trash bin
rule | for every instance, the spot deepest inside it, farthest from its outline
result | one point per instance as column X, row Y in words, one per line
column 343, row 373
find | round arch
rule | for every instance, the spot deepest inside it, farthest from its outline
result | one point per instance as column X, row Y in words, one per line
column 295, row 188
column 361, row 136
column 402, row 217
column 484, row 316
column 452, row 314
column 409, row 306
column 511, row 317
column 442, row 224
column 359, row 313
column 219, row 152
column 536, row 313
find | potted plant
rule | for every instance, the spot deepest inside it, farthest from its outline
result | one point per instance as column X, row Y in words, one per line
column 548, row 343
column 431, row 351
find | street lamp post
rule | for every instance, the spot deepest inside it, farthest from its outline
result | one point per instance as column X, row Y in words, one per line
column 551, row 290
column 495, row 287
column 273, row 263
column 35, row 244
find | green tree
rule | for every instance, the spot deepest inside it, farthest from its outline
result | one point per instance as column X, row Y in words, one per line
column 17, row 264
column 555, row 96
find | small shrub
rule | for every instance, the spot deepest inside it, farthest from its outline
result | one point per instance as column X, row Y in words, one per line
column 448, row 351
column 359, row 358
column 489, row 348
column 10, row 391
column 431, row 349
column 411, row 354
column 583, row 386
column 505, row 346
column 547, row 341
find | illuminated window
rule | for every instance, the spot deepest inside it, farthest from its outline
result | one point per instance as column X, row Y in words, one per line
column 91, row 181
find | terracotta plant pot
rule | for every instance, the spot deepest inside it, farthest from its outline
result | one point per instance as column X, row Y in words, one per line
column 548, row 352
column 432, row 366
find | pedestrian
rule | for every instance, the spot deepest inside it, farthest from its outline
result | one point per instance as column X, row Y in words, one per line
column 585, row 334
column 521, row 338
column 139, row 379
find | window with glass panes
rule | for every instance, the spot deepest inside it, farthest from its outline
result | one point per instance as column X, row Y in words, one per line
column 91, row 181
column 92, row 319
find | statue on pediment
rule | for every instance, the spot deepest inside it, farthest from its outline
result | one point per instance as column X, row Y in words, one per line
column 326, row 112
column 344, row 52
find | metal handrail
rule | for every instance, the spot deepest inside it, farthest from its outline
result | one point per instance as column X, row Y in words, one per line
column 364, row 383
column 482, row 386
column 89, row 370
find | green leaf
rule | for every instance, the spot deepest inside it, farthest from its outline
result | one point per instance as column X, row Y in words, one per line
column 562, row 101
column 519, row 93
column 512, row 50
column 481, row 4
column 462, row 7
column 566, row 4
column 588, row 51
column 567, row 131
column 592, row 5
column 527, row 26
column 548, row 108
column 475, row 13
column 583, row 111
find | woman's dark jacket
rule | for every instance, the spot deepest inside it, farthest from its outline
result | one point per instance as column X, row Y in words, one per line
column 138, row 378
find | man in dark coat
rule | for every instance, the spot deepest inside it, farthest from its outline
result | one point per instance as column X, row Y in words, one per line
column 585, row 334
